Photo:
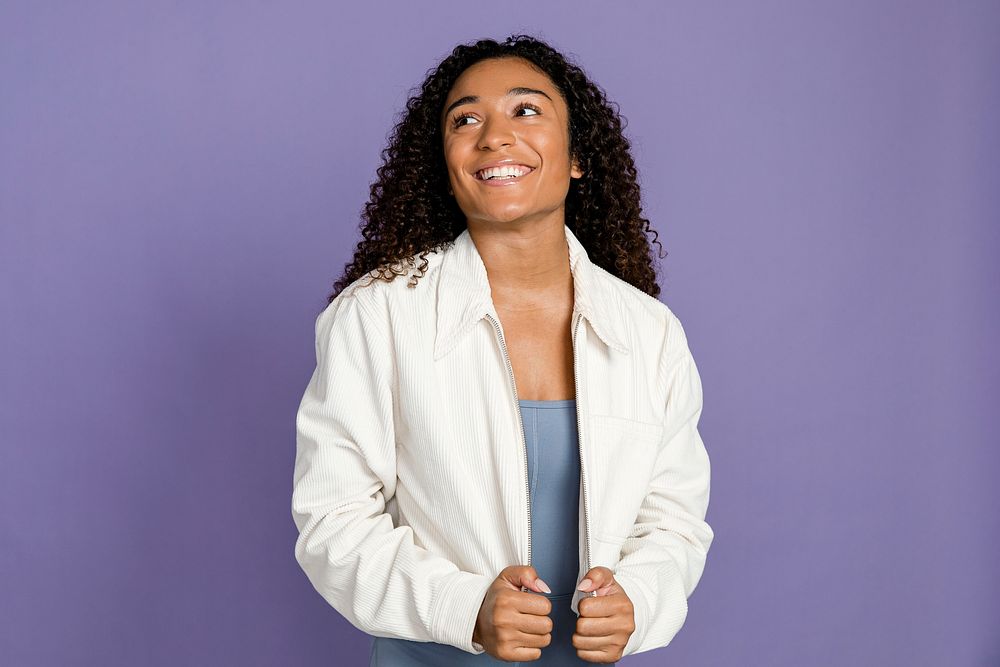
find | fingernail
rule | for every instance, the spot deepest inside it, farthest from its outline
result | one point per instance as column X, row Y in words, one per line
column 543, row 585
column 584, row 584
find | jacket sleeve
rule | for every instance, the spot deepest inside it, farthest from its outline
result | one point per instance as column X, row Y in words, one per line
column 664, row 555
column 368, row 569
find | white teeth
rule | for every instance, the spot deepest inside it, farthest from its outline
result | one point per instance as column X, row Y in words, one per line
column 502, row 172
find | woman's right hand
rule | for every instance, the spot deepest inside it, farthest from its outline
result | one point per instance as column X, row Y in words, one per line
column 514, row 625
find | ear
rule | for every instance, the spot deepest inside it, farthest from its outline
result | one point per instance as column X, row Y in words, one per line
column 575, row 171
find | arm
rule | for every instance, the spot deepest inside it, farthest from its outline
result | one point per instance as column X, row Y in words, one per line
column 369, row 570
column 664, row 556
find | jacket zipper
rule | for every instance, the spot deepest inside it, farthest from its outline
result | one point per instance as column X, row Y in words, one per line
column 524, row 445
column 583, row 475
column 520, row 430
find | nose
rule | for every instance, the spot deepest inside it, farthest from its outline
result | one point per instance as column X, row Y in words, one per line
column 497, row 132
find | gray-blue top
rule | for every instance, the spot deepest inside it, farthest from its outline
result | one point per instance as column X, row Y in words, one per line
column 554, row 494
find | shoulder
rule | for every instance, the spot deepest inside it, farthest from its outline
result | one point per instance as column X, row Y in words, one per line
column 650, row 317
column 368, row 307
column 648, row 309
column 409, row 281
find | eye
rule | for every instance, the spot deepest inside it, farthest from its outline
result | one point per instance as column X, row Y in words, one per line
column 527, row 105
column 457, row 120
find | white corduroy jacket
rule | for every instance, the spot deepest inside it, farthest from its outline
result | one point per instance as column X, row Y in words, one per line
column 410, row 490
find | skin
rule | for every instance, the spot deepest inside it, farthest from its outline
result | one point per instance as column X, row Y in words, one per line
column 607, row 621
column 518, row 231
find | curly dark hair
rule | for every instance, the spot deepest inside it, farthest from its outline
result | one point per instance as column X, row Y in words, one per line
column 411, row 213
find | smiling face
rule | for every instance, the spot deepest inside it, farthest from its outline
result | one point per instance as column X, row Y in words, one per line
column 504, row 110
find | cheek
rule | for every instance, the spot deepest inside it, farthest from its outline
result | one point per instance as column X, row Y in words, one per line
column 553, row 149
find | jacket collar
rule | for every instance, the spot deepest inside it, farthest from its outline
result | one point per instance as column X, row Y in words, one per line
column 464, row 296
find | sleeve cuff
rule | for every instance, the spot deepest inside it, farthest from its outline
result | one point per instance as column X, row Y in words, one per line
column 633, row 589
column 457, row 608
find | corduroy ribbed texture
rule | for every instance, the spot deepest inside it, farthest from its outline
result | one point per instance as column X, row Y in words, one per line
column 409, row 492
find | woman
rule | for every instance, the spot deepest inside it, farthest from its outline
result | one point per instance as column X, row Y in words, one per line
column 498, row 459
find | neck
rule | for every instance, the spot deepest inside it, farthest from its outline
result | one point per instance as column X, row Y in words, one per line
column 526, row 264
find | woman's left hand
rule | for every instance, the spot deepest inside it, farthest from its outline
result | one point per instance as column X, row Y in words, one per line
column 606, row 621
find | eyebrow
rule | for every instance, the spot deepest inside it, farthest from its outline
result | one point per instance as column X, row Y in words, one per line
column 517, row 90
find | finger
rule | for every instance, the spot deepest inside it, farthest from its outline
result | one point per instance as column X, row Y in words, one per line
column 608, row 605
column 533, row 624
column 607, row 655
column 608, row 589
column 532, row 640
column 587, row 643
column 536, row 584
column 540, row 585
column 599, row 627
column 529, row 602
column 526, row 578
column 596, row 577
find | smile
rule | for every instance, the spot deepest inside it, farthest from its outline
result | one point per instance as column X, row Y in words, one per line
column 501, row 176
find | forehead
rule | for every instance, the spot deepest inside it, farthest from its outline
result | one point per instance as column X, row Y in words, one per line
column 492, row 78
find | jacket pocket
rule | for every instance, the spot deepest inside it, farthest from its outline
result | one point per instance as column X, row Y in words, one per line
column 620, row 460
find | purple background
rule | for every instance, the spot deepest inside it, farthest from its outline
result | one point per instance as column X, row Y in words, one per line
column 180, row 185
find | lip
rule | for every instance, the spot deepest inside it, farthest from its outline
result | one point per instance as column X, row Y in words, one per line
column 506, row 162
column 506, row 182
